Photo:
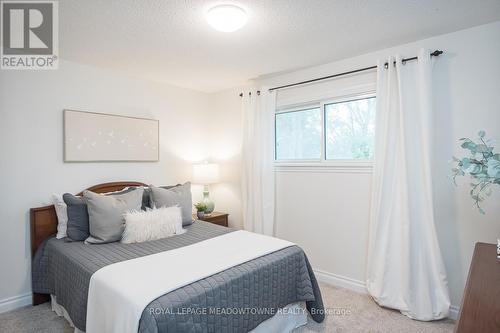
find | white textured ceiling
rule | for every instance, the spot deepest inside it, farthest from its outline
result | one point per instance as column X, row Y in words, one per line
column 170, row 41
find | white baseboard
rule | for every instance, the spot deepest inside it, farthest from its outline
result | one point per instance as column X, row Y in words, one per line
column 341, row 281
column 454, row 310
column 360, row 286
column 15, row 302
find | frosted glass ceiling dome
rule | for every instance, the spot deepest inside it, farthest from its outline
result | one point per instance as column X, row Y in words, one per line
column 227, row 18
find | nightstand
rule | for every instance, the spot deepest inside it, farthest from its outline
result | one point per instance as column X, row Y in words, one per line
column 215, row 218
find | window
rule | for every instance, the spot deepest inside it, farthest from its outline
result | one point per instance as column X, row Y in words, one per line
column 350, row 129
column 331, row 131
column 298, row 135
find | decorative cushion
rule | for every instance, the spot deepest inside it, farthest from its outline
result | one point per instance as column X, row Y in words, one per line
column 62, row 215
column 78, row 217
column 150, row 196
column 152, row 224
column 145, row 196
column 175, row 196
column 106, row 222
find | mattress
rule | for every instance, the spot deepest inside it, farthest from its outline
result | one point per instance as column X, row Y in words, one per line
column 242, row 296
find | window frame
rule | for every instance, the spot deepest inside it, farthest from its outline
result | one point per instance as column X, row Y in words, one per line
column 347, row 165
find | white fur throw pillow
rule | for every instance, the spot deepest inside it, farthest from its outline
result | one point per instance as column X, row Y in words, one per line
column 152, row 224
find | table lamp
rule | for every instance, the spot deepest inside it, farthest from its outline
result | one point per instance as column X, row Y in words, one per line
column 206, row 174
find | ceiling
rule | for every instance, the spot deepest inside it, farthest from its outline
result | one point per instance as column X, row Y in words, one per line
column 170, row 40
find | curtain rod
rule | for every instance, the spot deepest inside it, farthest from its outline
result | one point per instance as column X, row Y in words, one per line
column 436, row 53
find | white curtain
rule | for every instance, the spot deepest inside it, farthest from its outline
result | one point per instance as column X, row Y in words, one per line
column 257, row 164
column 405, row 268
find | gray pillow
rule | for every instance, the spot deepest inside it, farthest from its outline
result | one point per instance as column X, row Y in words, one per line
column 150, row 203
column 145, row 196
column 78, row 217
column 175, row 196
column 106, row 221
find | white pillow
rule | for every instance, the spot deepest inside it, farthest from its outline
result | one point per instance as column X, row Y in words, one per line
column 62, row 215
column 143, row 226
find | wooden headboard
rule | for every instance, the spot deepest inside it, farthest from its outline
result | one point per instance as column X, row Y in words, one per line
column 43, row 220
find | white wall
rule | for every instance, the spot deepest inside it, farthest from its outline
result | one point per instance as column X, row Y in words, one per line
column 326, row 212
column 31, row 147
column 225, row 140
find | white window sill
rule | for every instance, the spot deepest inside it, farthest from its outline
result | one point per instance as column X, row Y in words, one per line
column 346, row 166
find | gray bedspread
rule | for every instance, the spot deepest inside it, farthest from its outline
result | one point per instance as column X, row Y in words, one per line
column 235, row 300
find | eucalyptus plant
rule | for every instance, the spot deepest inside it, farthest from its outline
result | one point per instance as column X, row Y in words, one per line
column 482, row 165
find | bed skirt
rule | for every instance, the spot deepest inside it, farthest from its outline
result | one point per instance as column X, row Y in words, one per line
column 291, row 317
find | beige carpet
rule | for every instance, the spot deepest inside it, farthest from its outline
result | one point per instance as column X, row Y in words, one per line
column 350, row 312
column 363, row 315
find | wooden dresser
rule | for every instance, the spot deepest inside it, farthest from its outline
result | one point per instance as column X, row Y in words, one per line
column 480, row 310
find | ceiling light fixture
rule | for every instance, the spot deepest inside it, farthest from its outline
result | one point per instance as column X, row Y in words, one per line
column 227, row 18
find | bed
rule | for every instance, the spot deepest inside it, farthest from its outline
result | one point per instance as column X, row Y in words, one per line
column 64, row 269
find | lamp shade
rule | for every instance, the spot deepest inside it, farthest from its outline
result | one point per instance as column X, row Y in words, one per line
column 206, row 173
